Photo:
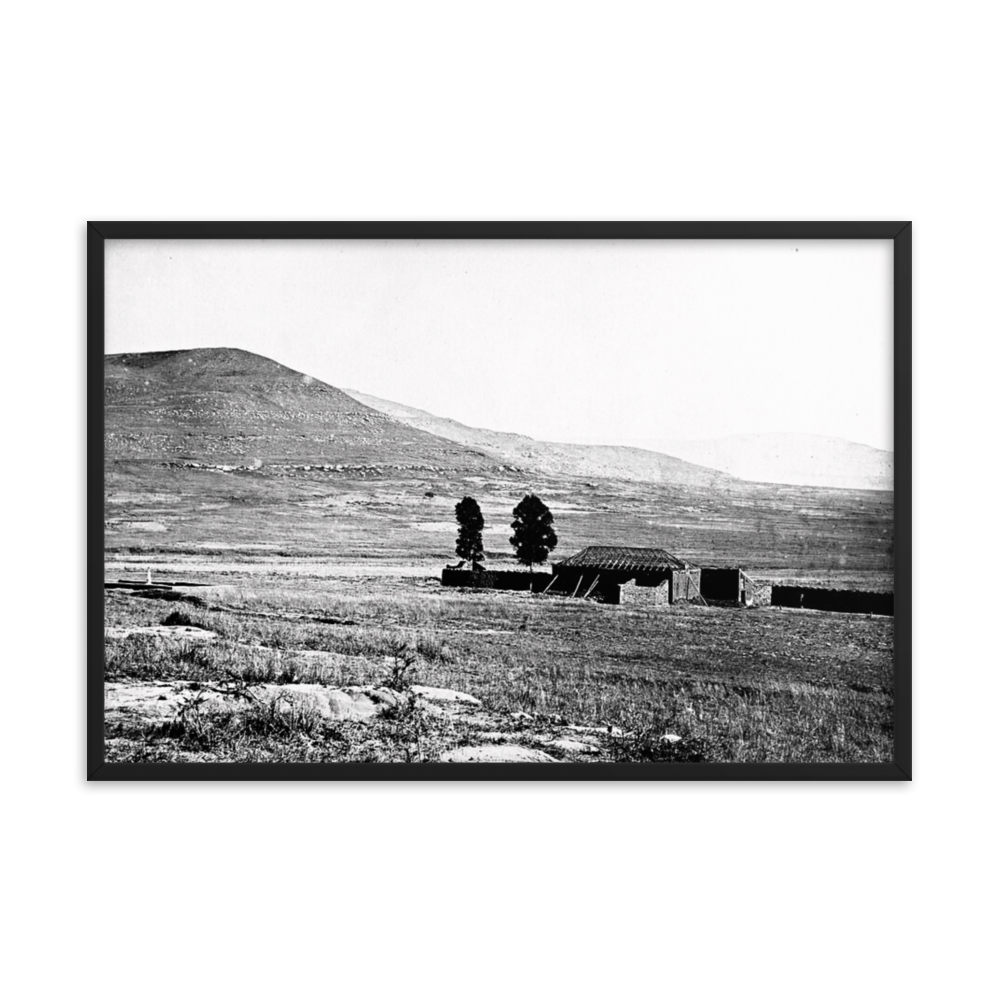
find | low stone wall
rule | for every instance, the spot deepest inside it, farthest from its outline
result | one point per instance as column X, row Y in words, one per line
column 632, row 594
column 858, row 602
column 495, row 579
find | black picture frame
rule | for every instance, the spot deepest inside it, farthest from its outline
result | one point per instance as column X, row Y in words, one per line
column 900, row 769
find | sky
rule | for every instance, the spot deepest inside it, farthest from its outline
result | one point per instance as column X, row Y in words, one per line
column 590, row 342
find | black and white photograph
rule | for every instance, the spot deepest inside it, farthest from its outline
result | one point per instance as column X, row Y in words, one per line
column 499, row 501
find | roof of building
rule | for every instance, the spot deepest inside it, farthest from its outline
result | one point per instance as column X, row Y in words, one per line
column 621, row 557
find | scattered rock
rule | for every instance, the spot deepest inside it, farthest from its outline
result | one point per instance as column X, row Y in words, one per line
column 152, row 701
column 191, row 633
column 603, row 730
column 160, row 699
column 572, row 746
column 439, row 710
column 588, row 736
column 497, row 755
column 443, row 694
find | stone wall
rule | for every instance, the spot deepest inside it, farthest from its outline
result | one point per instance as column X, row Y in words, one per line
column 859, row 602
column 637, row 596
column 495, row 579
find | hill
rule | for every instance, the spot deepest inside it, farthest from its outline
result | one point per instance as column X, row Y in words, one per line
column 587, row 461
column 792, row 459
column 222, row 406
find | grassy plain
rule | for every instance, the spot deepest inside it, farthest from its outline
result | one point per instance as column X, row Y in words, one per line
column 737, row 684
column 838, row 537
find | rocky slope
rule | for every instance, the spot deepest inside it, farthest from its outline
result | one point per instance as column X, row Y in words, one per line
column 230, row 407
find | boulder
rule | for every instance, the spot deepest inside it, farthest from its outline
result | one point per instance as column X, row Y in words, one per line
column 155, row 700
column 163, row 699
column 385, row 698
column 353, row 704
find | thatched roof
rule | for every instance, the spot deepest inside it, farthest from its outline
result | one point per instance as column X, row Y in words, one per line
column 621, row 557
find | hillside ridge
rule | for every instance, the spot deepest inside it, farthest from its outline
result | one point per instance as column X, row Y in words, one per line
column 227, row 405
column 555, row 458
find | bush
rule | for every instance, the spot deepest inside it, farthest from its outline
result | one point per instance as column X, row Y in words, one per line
column 181, row 618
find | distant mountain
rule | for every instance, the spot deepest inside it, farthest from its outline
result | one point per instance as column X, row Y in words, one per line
column 225, row 406
column 793, row 459
column 597, row 461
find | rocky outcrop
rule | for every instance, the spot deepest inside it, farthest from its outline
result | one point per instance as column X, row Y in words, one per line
column 497, row 754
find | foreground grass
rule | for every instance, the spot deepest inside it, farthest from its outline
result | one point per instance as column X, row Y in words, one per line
column 743, row 685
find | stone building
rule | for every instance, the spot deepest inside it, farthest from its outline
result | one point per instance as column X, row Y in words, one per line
column 621, row 574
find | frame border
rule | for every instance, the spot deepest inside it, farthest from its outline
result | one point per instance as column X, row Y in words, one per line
column 901, row 233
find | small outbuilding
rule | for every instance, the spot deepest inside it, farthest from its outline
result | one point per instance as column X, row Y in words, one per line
column 621, row 574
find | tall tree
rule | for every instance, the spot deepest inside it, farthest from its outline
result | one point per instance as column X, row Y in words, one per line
column 470, row 530
column 534, row 537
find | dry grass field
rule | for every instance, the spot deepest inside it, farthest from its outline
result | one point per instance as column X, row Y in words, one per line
column 840, row 537
column 733, row 684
